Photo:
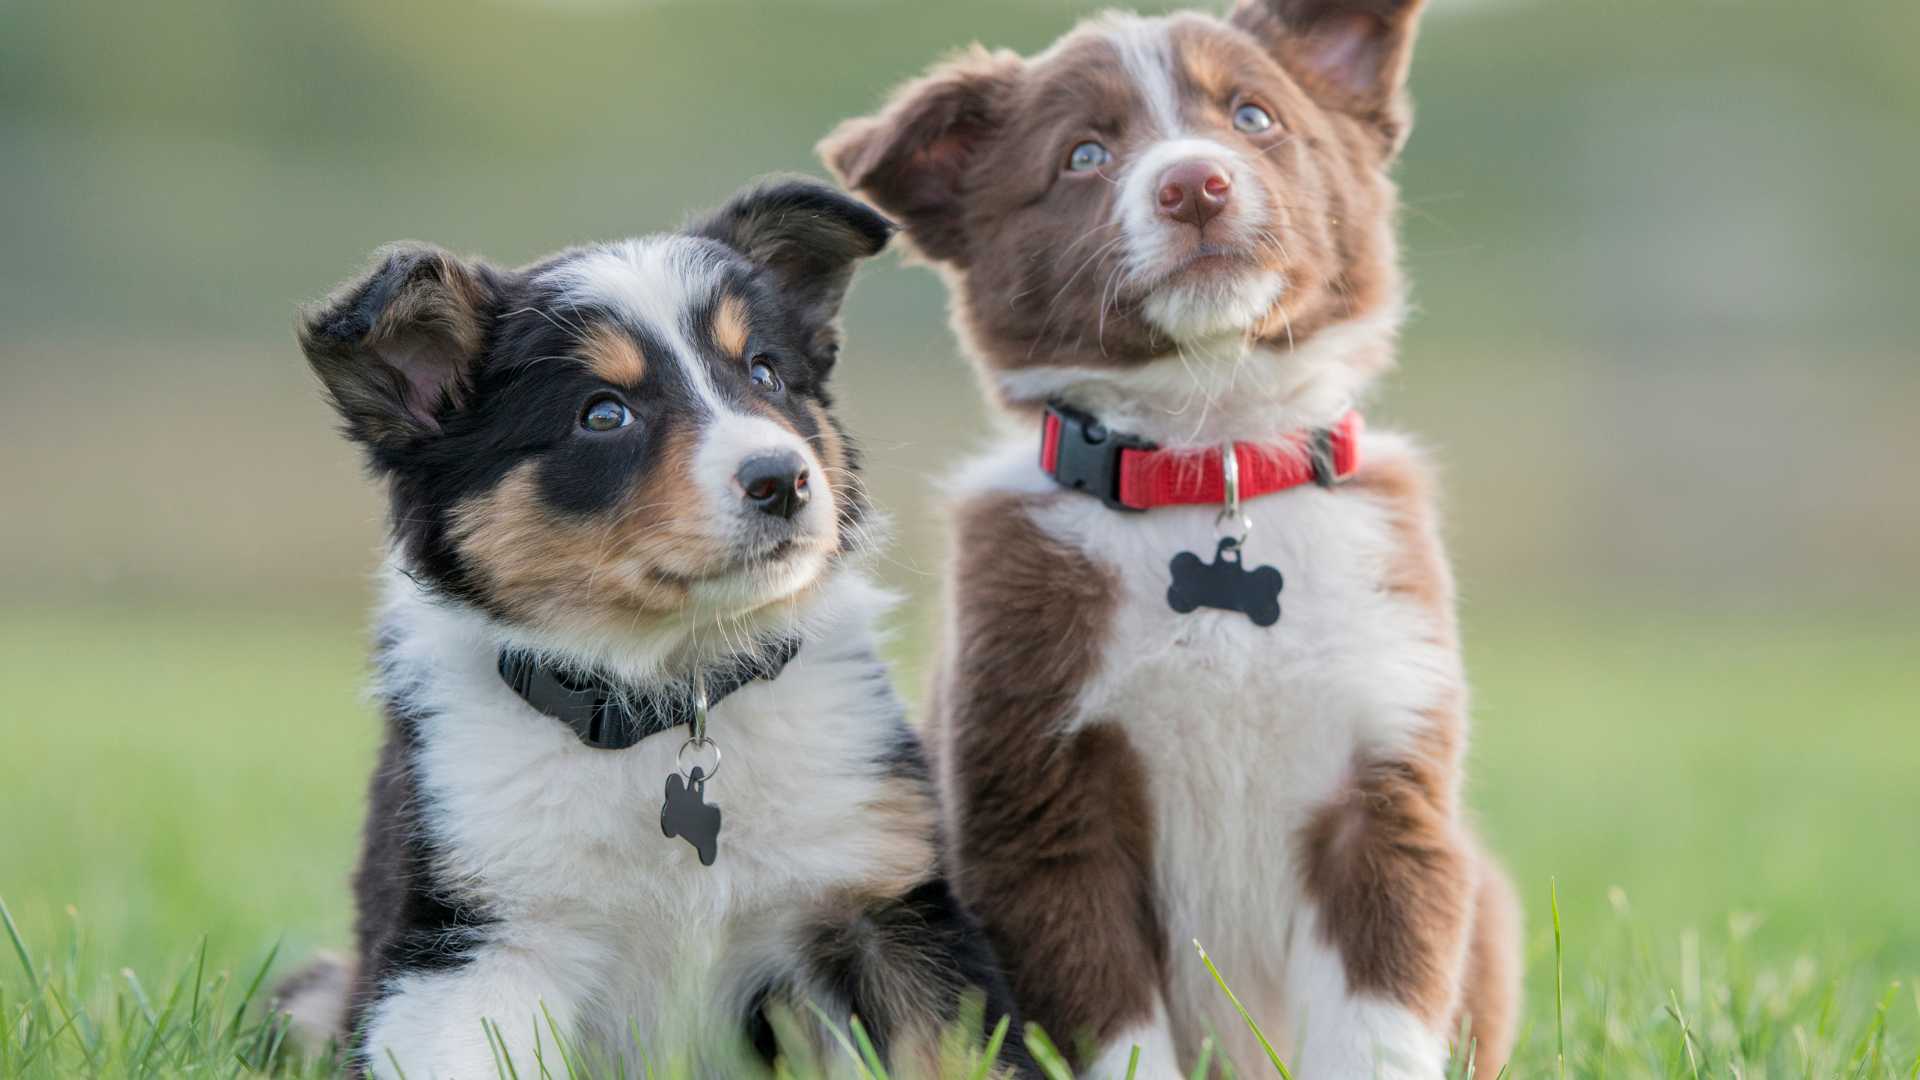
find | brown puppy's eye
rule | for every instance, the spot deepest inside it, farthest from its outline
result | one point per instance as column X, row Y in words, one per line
column 763, row 375
column 605, row 414
column 1252, row 119
column 1087, row 157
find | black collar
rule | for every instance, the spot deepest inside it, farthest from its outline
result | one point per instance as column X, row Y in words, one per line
column 608, row 715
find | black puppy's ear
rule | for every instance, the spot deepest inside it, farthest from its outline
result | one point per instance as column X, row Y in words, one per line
column 396, row 346
column 1351, row 55
column 808, row 236
column 912, row 157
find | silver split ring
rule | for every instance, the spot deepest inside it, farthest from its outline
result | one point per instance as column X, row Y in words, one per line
column 1230, row 515
column 699, row 746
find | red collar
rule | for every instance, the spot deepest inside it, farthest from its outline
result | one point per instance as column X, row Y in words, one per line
column 1130, row 473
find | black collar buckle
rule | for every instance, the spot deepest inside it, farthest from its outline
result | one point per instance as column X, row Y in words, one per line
column 1086, row 456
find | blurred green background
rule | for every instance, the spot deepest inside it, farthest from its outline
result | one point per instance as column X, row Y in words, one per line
column 1665, row 262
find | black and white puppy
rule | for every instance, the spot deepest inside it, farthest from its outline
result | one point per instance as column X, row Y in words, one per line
column 616, row 488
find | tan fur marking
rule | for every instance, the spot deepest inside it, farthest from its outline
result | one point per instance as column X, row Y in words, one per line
column 629, row 564
column 907, row 818
column 730, row 326
column 830, row 446
column 1053, row 833
column 614, row 357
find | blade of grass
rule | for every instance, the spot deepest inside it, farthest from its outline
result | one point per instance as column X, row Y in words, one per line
column 1272, row 1055
column 1205, row 1062
column 253, row 988
column 500, row 1036
column 841, row 1038
column 41, row 1046
column 199, row 978
column 567, row 1057
column 19, row 947
column 872, row 1056
column 1133, row 1061
column 78, row 1040
column 1559, row 979
column 991, row 1054
column 140, row 997
column 1686, row 1032
column 1046, row 1055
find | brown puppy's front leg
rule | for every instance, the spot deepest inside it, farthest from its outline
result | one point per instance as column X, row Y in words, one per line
column 1052, row 827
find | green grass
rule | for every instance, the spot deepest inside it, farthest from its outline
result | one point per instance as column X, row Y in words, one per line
column 1723, row 808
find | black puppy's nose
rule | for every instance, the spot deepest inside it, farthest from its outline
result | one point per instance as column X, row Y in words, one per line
column 775, row 483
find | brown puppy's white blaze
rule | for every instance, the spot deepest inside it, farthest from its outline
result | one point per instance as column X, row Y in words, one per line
column 1185, row 226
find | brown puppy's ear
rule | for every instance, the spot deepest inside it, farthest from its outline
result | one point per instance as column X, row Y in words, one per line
column 396, row 346
column 1351, row 55
column 912, row 157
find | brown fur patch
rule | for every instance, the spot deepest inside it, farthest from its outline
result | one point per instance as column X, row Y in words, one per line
column 1053, row 833
column 1490, row 992
column 1394, row 885
column 1400, row 888
column 1418, row 569
column 730, row 325
column 555, row 570
column 614, row 356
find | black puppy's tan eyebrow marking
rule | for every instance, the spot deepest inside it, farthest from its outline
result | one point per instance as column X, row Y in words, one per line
column 730, row 325
column 614, row 356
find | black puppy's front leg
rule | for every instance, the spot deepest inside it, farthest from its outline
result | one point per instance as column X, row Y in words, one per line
column 904, row 966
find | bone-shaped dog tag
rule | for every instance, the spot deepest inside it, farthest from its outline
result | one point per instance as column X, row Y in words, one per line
column 686, row 814
column 1225, row 585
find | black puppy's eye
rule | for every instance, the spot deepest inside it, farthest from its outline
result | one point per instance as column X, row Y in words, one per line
column 605, row 414
column 1088, row 156
column 1252, row 119
column 763, row 375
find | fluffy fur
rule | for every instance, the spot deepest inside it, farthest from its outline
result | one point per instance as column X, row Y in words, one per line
column 1289, row 796
column 564, row 447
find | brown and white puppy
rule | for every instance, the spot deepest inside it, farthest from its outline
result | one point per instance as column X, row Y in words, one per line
column 618, row 468
column 1184, row 226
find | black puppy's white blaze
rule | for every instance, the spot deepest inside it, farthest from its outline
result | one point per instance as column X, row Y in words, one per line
column 575, row 454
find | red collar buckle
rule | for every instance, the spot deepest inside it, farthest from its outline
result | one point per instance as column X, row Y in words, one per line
column 1129, row 473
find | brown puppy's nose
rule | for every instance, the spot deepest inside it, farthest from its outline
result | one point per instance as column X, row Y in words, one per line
column 1194, row 191
column 775, row 483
